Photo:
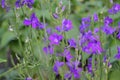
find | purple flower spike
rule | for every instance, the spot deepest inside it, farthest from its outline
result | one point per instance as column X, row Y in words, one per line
column 28, row 78
column 90, row 43
column 72, row 42
column 56, row 67
column 20, row 3
column 117, row 56
column 3, row 3
column 34, row 21
column 95, row 17
column 108, row 20
column 55, row 38
column 67, row 25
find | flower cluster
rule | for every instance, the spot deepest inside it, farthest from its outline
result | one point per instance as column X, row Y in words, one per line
column 20, row 3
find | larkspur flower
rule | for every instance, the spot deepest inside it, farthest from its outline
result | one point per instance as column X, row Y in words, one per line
column 28, row 78
column 55, row 38
column 115, row 9
column 3, row 4
column 96, row 30
column 73, row 70
column 58, row 28
column 66, row 25
column 34, row 22
column 107, row 20
column 56, row 66
column 48, row 49
column 90, row 43
column 95, row 17
column 108, row 30
column 20, row 3
column 67, row 55
column 117, row 56
column 72, row 42
column 85, row 23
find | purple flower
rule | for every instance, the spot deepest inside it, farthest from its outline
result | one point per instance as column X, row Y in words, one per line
column 28, row 78
column 90, row 43
column 49, row 30
column 72, row 42
column 34, row 21
column 119, row 24
column 58, row 28
column 117, row 56
column 67, row 25
column 49, row 49
column 67, row 55
column 3, row 3
column 84, row 24
column 20, row 3
column 96, row 30
column 115, row 9
column 55, row 38
column 108, row 20
column 108, row 29
column 86, row 21
column 55, row 15
column 56, row 66
column 73, row 70
column 95, row 17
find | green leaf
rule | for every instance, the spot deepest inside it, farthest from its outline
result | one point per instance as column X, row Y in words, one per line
column 6, row 38
column 3, row 60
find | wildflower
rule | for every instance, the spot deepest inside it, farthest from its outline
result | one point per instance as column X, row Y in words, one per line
column 20, row 3
column 67, row 25
column 96, row 30
column 67, row 55
column 3, row 3
column 73, row 70
column 115, row 9
column 58, row 28
column 34, row 22
column 55, row 38
column 28, row 78
column 117, row 56
column 56, row 67
column 84, row 24
column 72, row 42
column 48, row 49
column 108, row 20
column 90, row 43
column 108, row 29
column 95, row 17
